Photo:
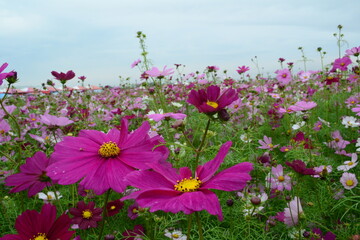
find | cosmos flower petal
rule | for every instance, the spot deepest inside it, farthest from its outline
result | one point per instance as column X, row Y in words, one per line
column 166, row 201
column 148, row 180
column 231, row 179
column 206, row 171
column 202, row 200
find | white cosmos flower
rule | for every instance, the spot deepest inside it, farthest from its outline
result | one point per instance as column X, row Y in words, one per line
column 349, row 121
column 349, row 164
column 50, row 196
column 175, row 234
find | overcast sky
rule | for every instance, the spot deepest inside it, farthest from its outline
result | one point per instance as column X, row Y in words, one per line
column 98, row 38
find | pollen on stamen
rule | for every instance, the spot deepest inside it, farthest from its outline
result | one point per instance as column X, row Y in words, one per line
column 109, row 149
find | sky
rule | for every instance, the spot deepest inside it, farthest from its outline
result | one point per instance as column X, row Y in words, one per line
column 97, row 39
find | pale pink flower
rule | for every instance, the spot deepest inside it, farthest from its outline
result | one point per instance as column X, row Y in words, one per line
column 322, row 170
column 293, row 212
column 283, row 76
column 155, row 72
column 302, row 106
column 278, row 180
column 348, row 180
column 135, row 63
column 267, row 143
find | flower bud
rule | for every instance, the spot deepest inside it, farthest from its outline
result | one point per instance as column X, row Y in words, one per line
column 109, row 237
column 255, row 200
column 230, row 202
column 223, row 115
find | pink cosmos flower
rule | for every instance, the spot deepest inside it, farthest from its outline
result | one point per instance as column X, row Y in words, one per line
column 135, row 63
column 52, row 120
column 242, row 69
column 102, row 160
column 322, row 171
column 33, row 175
column 355, row 51
column 155, row 72
column 267, row 143
column 293, row 212
column 158, row 117
column 210, row 100
column 213, row 68
column 4, row 75
column 341, row 64
column 283, row 76
column 63, row 77
column 4, row 129
column 302, row 106
column 338, row 143
column 356, row 110
column 82, row 78
column 317, row 126
column 348, row 180
column 172, row 190
column 278, row 180
column 44, row 225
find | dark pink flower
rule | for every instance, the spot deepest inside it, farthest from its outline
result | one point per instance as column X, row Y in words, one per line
column 113, row 207
column 63, row 77
column 44, row 225
column 86, row 215
column 172, row 190
column 32, row 177
column 82, row 78
column 210, row 100
column 300, row 167
column 4, row 75
column 318, row 235
column 102, row 160
column 135, row 234
column 242, row 69
column 213, row 68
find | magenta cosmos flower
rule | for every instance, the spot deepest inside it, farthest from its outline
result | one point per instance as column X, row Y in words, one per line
column 86, row 215
column 300, row 167
column 210, row 100
column 32, row 225
column 4, row 75
column 341, row 64
column 63, row 77
column 170, row 190
column 242, row 69
column 102, row 160
column 32, row 176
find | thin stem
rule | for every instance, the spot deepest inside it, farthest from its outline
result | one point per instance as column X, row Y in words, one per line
column 198, row 151
column 104, row 213
column 198, row 221
column 189, row 226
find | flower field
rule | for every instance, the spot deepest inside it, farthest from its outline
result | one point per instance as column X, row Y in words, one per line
column 184, row 156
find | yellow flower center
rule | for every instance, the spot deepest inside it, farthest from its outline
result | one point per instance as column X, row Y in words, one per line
column 87, row 214
column 270, row 145
column 2, row 131
column 33, row 119
column 284, row 75
column 349, row 182
column 286, row 149
column 212, row 104
column 112, row 207
column 188, row 185
column 40, row 236
column 350, row 163
column 49, row 197
column 281, row 178
column 174, row 235
column 109, row 149
column 337, row 140
column 135, row 210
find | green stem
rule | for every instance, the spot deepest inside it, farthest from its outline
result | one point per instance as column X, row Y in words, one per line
column 198, row 221
column 189, row 226
column 104, row 213
column 198, row 151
